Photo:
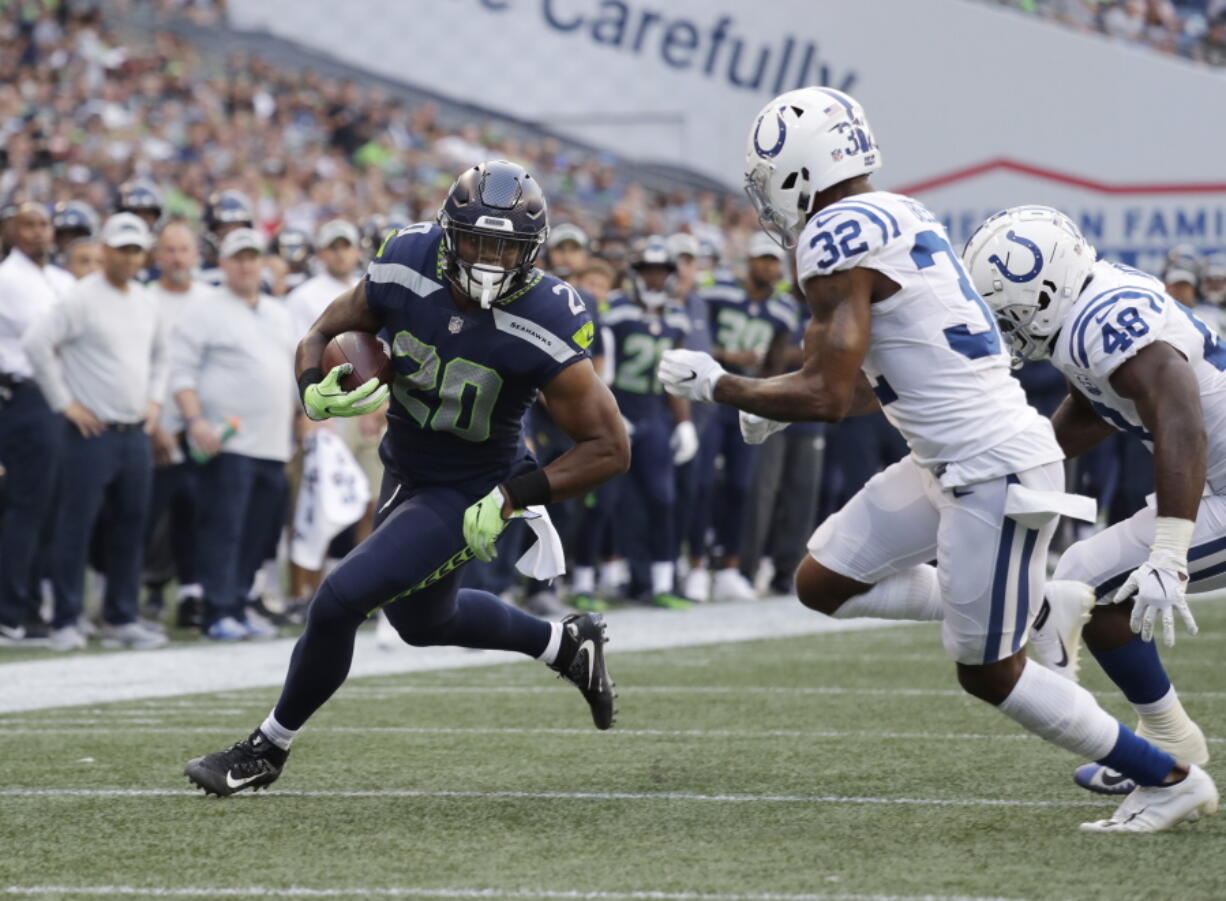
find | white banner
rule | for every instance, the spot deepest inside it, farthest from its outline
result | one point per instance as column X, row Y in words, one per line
column 950, row 86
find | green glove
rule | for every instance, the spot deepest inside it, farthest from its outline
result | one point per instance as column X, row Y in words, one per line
column 326, row 399
column 483, row 523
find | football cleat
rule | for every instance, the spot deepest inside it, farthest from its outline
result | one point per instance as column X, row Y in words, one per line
column 1102, row 780
column 1155, row 808
column 252, row 763
column 588, row 603
column 580, row 661
column 670, row 601
column 1055, row 634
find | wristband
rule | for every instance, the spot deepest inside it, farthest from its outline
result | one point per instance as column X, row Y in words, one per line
column 312, row 376
column 1173, row 535
column 528, row 490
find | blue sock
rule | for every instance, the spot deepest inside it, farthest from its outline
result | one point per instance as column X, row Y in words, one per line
column 1138, row 759
column 1136, row 669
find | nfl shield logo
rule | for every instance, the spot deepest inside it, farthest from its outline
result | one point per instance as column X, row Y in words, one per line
column 455, row 325
column 836, row 155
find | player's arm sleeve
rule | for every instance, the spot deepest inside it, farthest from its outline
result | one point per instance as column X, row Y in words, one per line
column 1111, row 331
column 58, row 324
column 842, row 237
column 390, row 279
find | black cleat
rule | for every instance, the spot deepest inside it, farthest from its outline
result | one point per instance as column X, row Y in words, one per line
column 580, row 661
column 252, row 763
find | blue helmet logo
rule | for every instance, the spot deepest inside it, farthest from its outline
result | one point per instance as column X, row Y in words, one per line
column 783, row 134
column 1029, row 245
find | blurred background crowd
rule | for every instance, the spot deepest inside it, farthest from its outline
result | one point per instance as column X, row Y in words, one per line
column 192, row 487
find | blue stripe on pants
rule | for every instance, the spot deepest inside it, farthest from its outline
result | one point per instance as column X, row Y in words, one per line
column 1000, row 583
column 1023, row 587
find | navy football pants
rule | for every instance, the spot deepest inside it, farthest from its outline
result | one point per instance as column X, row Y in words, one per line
column 409, row 566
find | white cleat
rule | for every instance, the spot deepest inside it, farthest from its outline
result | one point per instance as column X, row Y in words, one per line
column 730, row 585
column 698, row 585
column 1055, row 634
column 1155, row 808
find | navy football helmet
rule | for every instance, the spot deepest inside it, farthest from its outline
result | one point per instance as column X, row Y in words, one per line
column 292, row 245
column 227, row 209
column 653, row 271
column 375, row 230
column 494, row 223
column 73, row 219
column 142, row 197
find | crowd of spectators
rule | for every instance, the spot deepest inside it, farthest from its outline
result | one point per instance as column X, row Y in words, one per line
column 255, row 188
column 1195, row 29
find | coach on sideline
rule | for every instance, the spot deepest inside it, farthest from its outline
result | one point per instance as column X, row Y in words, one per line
column 100, row 359
column 232, row 357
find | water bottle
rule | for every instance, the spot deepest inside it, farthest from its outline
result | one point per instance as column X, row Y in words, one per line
column 229, row 429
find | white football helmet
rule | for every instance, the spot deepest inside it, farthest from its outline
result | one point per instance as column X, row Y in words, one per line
column 801, row 143
column 1029, row 263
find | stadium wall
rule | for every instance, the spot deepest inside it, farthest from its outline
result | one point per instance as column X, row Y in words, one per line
column 975, row 107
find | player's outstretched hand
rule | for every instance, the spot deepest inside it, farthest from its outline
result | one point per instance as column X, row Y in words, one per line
column 327, row 398
column 690, row 373
column 1158, row 586
column 755, row 429
column 484, row 522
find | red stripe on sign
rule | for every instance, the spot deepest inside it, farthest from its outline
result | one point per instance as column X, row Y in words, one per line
column 940, row 181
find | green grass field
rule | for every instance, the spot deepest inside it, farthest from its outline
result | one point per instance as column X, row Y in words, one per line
column 844, row 766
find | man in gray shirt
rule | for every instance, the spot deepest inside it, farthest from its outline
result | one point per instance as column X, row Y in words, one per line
column 100, row 359
column 232, row 361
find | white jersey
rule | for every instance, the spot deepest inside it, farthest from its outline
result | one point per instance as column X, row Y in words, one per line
column 936, row 359
column 1121, row 311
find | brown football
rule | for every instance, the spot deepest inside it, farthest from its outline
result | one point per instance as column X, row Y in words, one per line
column 365, row 352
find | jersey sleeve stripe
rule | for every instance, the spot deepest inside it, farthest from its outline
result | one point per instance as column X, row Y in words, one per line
column 844, row 208
column 534, row 334
column 399, row 274
column 884, row 212
column 1083, row 321
column 619, row 314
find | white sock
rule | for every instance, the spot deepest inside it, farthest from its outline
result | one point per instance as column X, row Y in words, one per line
column 1164, row 721
column 550, row 654
column 276, row 733
column 1061, row 712
column 584, row 580
column 610, row 576
column 914, row 593
column 662, row 577
column 1162, row 705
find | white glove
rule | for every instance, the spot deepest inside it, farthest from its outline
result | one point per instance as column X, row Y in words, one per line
column 1159, row 584
column 755, row 429
column 690, row 373
column 684, row 443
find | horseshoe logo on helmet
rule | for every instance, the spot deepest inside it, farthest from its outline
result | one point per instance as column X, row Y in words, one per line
column 772, row 152
column 1029, row 245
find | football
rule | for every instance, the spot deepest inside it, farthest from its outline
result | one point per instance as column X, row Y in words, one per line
column 365, row 352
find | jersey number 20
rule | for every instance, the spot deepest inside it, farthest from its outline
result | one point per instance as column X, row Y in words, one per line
column 467, row 391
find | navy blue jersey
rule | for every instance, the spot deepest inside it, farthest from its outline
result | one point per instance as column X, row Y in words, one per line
column 739, row 324
column 465, row 379
column 638, row 338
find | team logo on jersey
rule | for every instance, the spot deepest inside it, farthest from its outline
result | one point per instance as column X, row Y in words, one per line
column 1002, row 267
column 585, row 335
column 772, row 152
column 456, row 325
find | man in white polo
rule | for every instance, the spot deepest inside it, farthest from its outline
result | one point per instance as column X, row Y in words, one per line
column 100, row 359
column 232, row 358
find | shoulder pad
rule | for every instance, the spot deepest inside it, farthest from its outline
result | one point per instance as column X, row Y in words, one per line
column 1113, row 326
column 841, row 236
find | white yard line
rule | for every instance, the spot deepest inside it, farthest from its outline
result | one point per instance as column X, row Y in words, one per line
column 97, row 678
column 688, row 797
column 36, row 727
column 465, row 893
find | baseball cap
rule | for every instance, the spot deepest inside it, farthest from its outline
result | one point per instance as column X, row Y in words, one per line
column 1180, row 276
column 763, row 245
column 567, row 231
column 127, row 230
column 239, row 240
column 334, row 230
column 683, row 244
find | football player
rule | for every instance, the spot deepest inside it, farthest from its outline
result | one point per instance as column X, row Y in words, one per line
column 224, row 211
column 640, row 325
column 897, row 323
column 475, row 332
column 72, row 221
column 751, row 328
column 1138, row 362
